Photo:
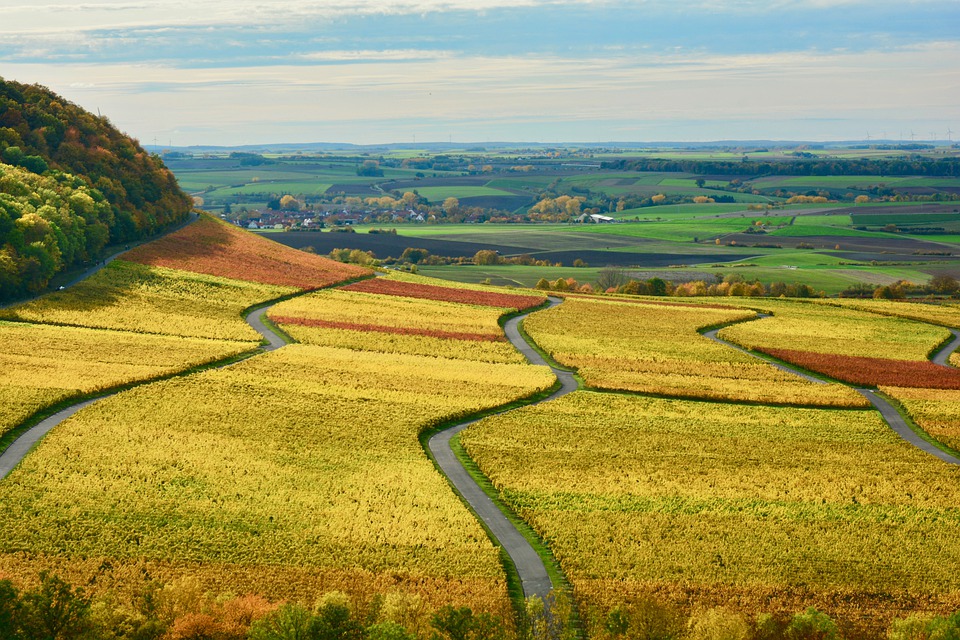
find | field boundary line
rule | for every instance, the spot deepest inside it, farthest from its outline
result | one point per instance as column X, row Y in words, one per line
column 83, row 274
column 442, row 445
column 897, row 422
column 941, row 355
column 23, row 437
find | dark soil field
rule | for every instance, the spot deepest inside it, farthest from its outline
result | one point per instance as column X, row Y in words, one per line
column 876, row 248
column 386, row 245
column 461, row 181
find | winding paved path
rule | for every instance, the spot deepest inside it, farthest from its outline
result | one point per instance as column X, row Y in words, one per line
column 887, row 410
column 19, row 448
column 942, row 357
column 86, row 273
column 533, row 574
column 712, row 335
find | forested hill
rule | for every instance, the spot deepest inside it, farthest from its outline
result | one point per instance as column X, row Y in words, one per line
column 71, row 183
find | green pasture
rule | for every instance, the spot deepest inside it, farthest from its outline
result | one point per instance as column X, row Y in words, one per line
column 827, row 220
column 831, row 279
column 682, row 211
column 524, row 183
column 673, row 231
column 690, row 183
column 439, row 194
column 277, row 188
column 903, row 218
column 852, row 182
column 800, row 230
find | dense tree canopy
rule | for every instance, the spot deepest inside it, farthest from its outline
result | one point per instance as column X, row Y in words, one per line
column 70, row 183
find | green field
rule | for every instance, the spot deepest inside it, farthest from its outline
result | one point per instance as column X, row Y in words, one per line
column 439, row 194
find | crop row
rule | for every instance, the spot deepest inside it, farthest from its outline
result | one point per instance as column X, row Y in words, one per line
column 936, row 411
column 409, row 289
column 217, row 248
column 838, row 331
column 386, row 312
column 303, row 458
column 935, row 313
column 43, row 365
column 709, row 504
column 134, row 297
column 655, row 348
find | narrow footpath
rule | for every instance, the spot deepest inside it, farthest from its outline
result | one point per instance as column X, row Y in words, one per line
column 86, row 273
column 942, row 357
column 889, row 413
column 532, row 572
column 20, row 447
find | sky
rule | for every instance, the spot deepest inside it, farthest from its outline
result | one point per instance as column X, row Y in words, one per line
column 236, row 72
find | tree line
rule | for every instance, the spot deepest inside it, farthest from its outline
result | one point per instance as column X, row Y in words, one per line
column 71, row 184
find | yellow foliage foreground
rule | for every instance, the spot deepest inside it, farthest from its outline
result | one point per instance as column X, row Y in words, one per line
column 134, row 297
column 936, row 411
column 719, row 504
column 822, row 328
column 654, row 347
column 300, row 463
column 43, row 365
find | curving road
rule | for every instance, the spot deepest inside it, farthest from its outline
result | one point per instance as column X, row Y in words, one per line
column 533, row 574
column 86, row 273
column 942, row 357
column 889, row 413
column 712, row 335
column 19, row 448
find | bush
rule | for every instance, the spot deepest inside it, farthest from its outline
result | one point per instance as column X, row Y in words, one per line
column 719, row 624
column 812, row 625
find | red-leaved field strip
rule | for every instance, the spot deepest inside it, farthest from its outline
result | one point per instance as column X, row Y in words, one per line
column 219, row 249
column 409, row 331
column 445, row 294
column 873, row 371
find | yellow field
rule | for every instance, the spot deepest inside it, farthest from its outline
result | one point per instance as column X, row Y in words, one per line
column 385, row 311
column 828, row 329
column 43, row 365
column 936, row 411
column 947, row 315
column 134, row 297
column 292, row 472
column 759, row 508
column 655, row 348
column 419, row 345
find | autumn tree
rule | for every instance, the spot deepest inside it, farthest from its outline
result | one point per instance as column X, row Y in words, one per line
column 451, row 205
column 486, row 257
column 289, row 203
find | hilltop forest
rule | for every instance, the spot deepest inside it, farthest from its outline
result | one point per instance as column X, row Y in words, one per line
column 70, row 185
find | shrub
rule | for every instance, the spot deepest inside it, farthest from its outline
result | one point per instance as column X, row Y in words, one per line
column 812, row 625
column 719, row 624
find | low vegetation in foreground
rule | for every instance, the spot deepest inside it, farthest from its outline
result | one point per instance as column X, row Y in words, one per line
column 695, row 491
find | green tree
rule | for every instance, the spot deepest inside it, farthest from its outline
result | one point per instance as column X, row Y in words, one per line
column 413, row 255
column 9, row 608
column 55, row 611
column 332, row 621
column 812, row 625
column 289, row 622
column 486, row 257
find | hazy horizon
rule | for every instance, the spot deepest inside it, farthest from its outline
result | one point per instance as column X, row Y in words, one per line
column 398, row 71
